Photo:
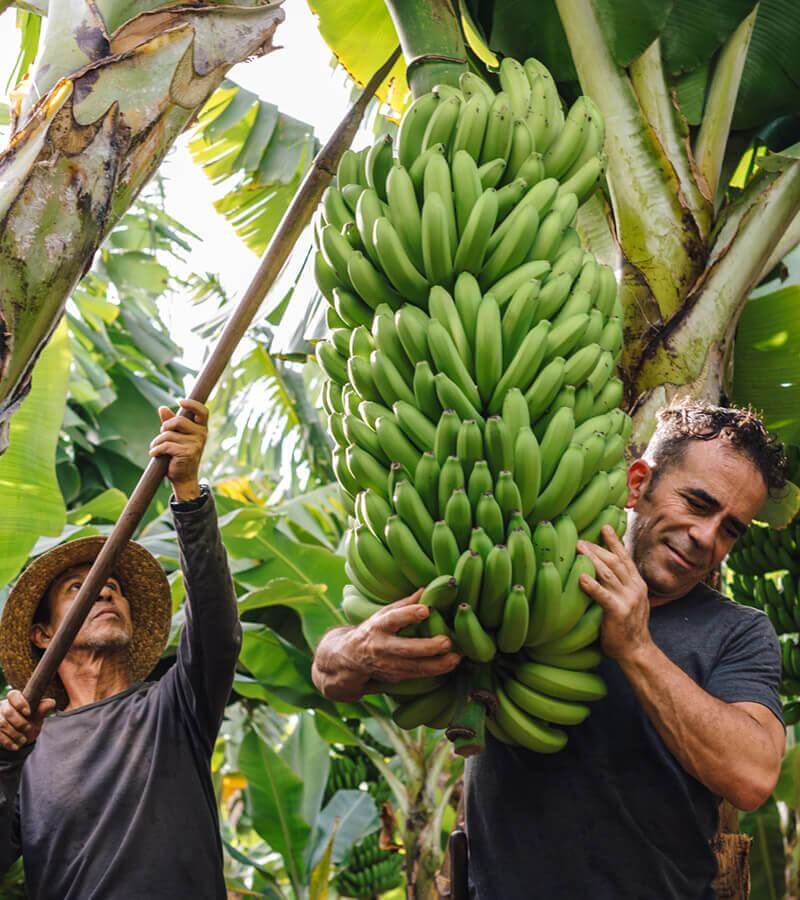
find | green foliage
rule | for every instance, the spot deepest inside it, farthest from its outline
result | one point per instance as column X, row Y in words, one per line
column 30, row 499
column 767, row 855
column 264, row 152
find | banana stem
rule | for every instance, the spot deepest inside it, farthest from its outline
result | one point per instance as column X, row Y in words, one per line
column 467, row 731
column 650, row 84
column 716, row 125
column 432, row 42
column 655, row 233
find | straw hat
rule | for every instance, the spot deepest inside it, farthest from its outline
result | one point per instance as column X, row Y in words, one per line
column 143, row 583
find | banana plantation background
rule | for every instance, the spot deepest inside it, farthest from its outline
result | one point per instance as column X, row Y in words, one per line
column 698, row 212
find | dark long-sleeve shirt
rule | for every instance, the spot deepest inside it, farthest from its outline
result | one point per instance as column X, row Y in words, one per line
column 115, row 801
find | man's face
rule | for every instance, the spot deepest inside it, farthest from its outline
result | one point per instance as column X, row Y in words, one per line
column 107, row 627
column 681, row 528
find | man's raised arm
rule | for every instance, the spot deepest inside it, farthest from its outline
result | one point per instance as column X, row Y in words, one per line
column 211, row 638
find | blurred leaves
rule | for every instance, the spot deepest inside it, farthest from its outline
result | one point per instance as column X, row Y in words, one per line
column 260, row 154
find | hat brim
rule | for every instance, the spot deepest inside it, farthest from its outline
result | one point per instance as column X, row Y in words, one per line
column 142, row 581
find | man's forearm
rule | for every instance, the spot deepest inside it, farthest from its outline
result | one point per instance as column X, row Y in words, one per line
column 332, row 673
column 721, row 746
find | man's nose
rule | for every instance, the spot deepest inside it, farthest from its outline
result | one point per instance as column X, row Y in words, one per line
column 106, row 593
column 704, row 534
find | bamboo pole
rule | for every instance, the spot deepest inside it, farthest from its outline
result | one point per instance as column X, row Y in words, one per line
column 294, row 221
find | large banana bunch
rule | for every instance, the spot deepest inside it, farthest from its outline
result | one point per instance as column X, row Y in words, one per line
column 369, row 871
column 472, row 394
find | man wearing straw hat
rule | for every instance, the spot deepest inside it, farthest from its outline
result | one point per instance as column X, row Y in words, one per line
column 111, row 796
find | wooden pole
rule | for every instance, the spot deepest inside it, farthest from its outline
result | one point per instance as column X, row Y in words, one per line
column 296, row 218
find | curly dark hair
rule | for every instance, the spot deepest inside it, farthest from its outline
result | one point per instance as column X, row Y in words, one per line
column 688, row 420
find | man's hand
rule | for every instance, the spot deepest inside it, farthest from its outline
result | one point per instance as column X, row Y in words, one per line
column 621, row 591
column 183, row 440
column 17, row 726
column 350, row 660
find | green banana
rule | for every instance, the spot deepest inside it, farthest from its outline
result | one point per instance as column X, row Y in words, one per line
column 499, row 448
column 412, row 510
column 591, row 500
column 523, row 368
column 442, row 123
column 437, row 252
column 426, row 481
column 366, row 470
column 545, row 387
column 508, row 495
column 471, row 638
column 467, row 296
column 375, row 512
column 577, row 661
column 545, row 542
column 525, row 731
column 355, row 431
column 499, row 128
column 469, row 575
column 585, row 632
column 517, row 318
column 458, row 515
column 574, row 601
column 412, row 128
column 451, row 478
column 548, row 709
column 444, row 547
column 379, row 560
column 480, row 542
column 489, row 516
column 414, row 563
column 442, row 308
column 387, row 379
column 561, row 683
column 397, row 264
column 547, row 598
column 567, row 535
column 504, row 288
column 523, row 560
column 356, row 607
column 480, row 480
column 489, row 349
column 516, row 620
column 476, row 234
column 332, row 363
column 446, row 438
column 404, row 211
column 512, row 250
column 441, row 593
column 521, row 149
column 387, row 340
column 416, row 426
column 437, row 180
column 468, row 138
column 469, row 445
column 422, row 709
column 377, row 164
column 412, row 329
column 495, row 587
column 447, row 360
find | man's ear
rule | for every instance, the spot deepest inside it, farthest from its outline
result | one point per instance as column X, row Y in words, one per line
column 640, row 476
column 40, row 635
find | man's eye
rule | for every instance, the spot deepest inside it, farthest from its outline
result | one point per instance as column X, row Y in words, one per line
column 696, row 504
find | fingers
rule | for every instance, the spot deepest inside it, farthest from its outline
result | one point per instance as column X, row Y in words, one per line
column 19, row 703
column 605, row 562
column 397, row 670
column 395, row 617
column 15, row 719
column 11, row 737
column 45, row 708
column 199, row 410
column 597, row 592
column 183, row 425
column 417, row 648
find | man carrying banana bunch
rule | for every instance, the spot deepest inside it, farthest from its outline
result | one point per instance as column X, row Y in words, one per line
column 692, row 715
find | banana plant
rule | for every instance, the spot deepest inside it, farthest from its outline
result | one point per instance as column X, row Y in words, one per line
column 113, row 86
column 690, row 215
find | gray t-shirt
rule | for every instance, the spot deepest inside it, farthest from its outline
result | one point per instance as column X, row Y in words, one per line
column 115, row 799
column 614, row 816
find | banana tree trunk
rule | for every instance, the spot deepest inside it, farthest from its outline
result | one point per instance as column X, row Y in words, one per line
column 433, row 47
column 684, row 278
column 115, row 84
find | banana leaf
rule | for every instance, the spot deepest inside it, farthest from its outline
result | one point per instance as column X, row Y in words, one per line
column 767, row 855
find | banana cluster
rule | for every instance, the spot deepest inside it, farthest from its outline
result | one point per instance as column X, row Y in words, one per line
column 777, row 595
column 472, row 394
column 368, row 871
column 762, row 549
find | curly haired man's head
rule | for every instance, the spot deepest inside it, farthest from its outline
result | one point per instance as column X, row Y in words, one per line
column 704, row 475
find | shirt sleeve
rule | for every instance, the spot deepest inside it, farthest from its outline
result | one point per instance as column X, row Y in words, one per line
column 11, row 763
column 211, row 638
column 749, row 666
